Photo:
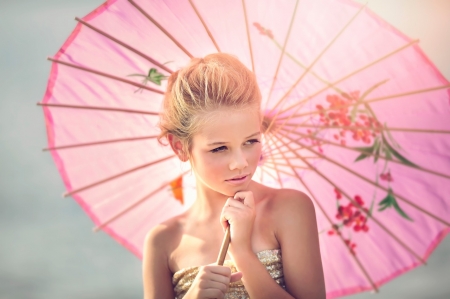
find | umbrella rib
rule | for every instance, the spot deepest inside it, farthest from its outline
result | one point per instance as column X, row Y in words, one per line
column 312, row 64
column 304, row 67
column 89, row 70
column 116, row 176
column 377, row 129
column 360, row 265
column 268, row 173
column 282, row 159
column 134, row 205
column 268, row 143
column 357, row 205
column 283, row 50
column 371, row 154
column 98, row 142
column 374, row 184
column 350, row 75
column 125, row 45
column 276, row 169
column 398, row 95
column 143, row 12
column 268, row 148
column 248, row 35
column 204, row 25
column 98, row 108
column 278, row 163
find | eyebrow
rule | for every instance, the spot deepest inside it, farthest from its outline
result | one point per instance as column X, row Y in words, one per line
column 221, row 142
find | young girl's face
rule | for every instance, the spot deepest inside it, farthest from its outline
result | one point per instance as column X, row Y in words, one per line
column 226, row 151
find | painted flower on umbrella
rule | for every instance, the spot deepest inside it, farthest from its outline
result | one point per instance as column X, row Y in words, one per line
column 350, row 216
column 345, row 119
column 361, row 126
column 263, row 30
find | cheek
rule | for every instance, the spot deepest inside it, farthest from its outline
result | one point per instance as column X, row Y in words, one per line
column 210, row 162
column 255, row 153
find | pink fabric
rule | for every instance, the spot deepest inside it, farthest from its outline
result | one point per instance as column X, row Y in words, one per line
column 317, row 22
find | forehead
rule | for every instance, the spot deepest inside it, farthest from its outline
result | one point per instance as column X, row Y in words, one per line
column 228, row 125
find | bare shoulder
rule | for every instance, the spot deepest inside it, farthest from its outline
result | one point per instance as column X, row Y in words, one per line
column 162, row 236
column 158, row 244
column 284, row 202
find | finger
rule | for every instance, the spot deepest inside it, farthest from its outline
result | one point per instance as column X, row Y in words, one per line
column 228, row 214
column 236, row 277
column 213, row 294
column 247, row 197
column 210, row 284
column 216, row 269
column 232, row 202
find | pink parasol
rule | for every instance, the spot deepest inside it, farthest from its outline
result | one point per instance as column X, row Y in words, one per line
column 356, row 116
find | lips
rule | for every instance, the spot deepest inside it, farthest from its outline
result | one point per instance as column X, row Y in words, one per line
column 238, row 177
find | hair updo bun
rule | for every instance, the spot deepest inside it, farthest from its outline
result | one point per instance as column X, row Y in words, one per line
column 206, row 84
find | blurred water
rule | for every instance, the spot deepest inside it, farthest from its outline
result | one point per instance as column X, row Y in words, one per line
column 47, row 249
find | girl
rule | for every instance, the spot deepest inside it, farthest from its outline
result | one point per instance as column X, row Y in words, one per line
column 211, row 118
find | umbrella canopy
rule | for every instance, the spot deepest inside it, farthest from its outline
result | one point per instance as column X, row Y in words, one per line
column 355, row 115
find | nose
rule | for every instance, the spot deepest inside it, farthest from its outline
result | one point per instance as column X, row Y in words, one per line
column 238, row 160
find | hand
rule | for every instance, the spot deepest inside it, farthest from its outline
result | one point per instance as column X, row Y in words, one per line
column 239, row 214
column 212, row 281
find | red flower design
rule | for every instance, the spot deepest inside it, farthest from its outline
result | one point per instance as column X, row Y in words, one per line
column 338, row 193
column 263, row 30
column 386, row 176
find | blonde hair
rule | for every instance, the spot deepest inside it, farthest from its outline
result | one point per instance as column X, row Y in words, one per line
column 206, row 84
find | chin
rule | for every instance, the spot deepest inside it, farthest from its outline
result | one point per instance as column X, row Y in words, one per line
column 231, row 190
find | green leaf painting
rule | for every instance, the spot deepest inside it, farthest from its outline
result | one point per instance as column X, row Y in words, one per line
column 152, row 76
column 390, row 201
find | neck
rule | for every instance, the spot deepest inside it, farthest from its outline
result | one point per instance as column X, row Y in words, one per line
column 208, row 205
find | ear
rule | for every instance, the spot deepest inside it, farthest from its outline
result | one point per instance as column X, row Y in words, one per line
column 177, row 147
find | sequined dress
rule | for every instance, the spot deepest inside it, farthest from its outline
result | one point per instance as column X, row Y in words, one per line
column 271, row 259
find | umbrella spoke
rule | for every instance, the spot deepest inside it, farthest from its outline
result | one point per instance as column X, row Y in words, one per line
column 133, row 205
column 89, row 70
column 162, row 66
column 296, row 61
column 142, row 11
column 282, row 164
column 366, row 274
column 410, row 203
column 98, row 108
column 398, row 95
column 269, row 147
column 117, row 176
column 276, row 168
column 268, row 173
column 204, row 25
column 283, row 157
column 98, row 142
column 358, row 206
column 347, row 76
column 377, row 129
column 283, row 49
column 244, row 8
column 370, row 154
column 306, row 71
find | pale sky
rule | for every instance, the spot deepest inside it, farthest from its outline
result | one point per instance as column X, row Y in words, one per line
column 47, row 248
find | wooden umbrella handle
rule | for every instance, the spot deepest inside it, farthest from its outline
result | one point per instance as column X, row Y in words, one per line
column 224, row 247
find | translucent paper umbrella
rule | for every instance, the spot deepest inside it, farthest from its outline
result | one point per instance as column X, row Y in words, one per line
column 356, row 116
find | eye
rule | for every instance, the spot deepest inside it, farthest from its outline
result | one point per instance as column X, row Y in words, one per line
column 251, row 141
column 219, row 149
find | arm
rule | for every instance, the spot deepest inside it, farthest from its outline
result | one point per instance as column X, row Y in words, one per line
column 299, row 239
column 296, row 232
column 212, row 281
column 157, row 278
column 240, row 216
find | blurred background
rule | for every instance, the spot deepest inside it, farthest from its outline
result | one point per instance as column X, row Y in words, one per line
column 47, row 249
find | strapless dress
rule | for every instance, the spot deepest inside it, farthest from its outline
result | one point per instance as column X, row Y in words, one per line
column 271, row 259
